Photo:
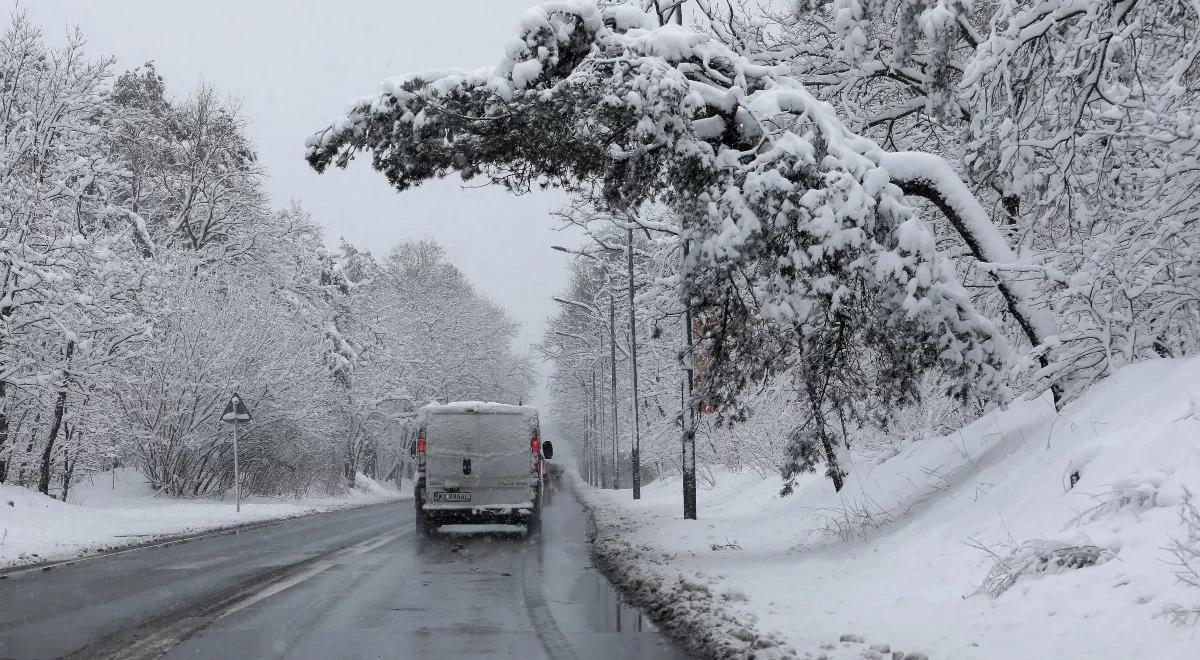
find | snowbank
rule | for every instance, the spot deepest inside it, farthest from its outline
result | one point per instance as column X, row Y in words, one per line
column 684, row 607
column 918, row 548
column 115, row 509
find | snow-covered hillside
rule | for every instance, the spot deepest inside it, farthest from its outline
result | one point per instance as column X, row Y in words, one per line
column 118, row 508
column 918, row 549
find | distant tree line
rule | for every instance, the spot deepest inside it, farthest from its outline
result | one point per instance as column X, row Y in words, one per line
column 145, row 276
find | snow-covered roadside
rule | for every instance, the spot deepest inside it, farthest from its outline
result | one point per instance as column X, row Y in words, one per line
column 689, row 604
column 686, row 609
column 110, row 511
column 902, row 555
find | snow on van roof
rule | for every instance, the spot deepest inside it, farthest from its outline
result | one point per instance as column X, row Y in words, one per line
column 479, row 407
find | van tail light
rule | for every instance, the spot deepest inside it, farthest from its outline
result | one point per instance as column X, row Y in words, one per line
column 535, row 447
column 534, row 444
column 421, row 449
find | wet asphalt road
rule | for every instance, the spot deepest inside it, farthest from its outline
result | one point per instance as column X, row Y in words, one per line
column 352, row 584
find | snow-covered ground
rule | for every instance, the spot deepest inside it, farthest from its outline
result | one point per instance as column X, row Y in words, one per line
column 901, row 556
column 114, row 509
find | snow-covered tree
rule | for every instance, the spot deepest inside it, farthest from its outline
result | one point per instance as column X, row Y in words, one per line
column 144, row 278
column 1067, row 120
column 795, row 223
column 68, row 276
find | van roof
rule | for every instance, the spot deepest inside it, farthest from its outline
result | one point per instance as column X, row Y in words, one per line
column 488, row 407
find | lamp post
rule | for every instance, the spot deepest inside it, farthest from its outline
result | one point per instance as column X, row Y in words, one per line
column 636, row 455
column 669, row 11
column 612, row 363
column 594, row 453
column 688, row 412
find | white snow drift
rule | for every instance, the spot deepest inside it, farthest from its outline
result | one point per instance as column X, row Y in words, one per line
column 112, row 510
column 918, row 549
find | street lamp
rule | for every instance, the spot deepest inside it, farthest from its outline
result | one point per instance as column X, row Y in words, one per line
column 668, row 13
column 635, row 456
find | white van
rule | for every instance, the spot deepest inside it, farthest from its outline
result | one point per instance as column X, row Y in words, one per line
column 478, row 463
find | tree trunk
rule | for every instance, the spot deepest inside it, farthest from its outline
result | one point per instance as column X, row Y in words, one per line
column 60, row 408
column 68, row 468
column 833, row 469
column 931, row 177
column 3, row 434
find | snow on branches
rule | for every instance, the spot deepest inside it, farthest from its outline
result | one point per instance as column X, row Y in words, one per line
column 794, row 221
column 144, row 277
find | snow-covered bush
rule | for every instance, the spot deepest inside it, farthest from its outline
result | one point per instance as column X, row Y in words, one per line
column 1185, row 554
column 1035, row 558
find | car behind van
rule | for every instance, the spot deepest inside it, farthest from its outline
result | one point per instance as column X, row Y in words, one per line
column 478, row 463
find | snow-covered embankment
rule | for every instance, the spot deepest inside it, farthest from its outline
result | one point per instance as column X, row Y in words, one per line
column 1029, row 534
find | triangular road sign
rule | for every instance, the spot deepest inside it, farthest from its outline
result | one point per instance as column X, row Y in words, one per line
column 235, row 410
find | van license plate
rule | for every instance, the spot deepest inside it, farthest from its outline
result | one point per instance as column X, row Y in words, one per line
column 452, row 497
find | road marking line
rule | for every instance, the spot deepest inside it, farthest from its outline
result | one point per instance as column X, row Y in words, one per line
column 318, row 567
column 156, row 639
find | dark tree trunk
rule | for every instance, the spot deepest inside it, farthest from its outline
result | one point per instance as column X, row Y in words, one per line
column 833, row 471
column 371, row 461
column 929, row 190
column 3, row 434
column 60, row 408
column 68, row 468
column 25, row 459
column 1012, row 209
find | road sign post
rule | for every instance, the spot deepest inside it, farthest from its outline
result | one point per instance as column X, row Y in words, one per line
column 235, row 413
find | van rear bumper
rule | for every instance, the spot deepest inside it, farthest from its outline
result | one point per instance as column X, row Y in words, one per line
column 451, row 514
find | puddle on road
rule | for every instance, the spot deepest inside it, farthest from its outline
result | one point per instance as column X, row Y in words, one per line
column 611, row 612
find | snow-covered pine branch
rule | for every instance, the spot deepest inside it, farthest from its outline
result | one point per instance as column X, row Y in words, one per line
column 774, row 192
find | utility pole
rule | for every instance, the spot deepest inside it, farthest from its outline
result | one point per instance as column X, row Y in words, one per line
column 612, row 362
column 689, row 409
column 673, row 13
column 586, row 467
column 597, row 479
column 689, row 429
column 636, row 455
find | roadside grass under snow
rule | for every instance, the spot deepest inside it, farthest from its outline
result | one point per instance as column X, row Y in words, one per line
column 972, row 545
column 114, row 509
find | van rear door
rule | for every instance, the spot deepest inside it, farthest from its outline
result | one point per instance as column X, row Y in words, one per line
column 449, row 446
column 504, row 459
column 485, row 454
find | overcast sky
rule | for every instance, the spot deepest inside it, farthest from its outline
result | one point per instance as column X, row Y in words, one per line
column 295, row 65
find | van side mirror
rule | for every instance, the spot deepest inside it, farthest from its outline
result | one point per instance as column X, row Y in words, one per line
column 547, row 449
